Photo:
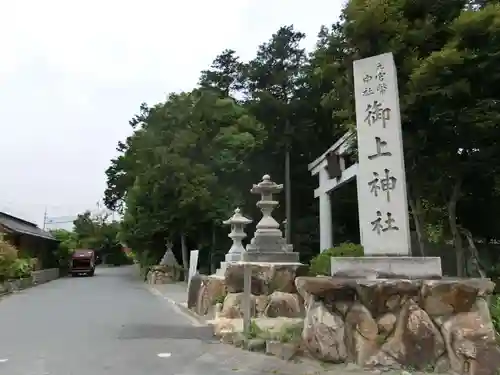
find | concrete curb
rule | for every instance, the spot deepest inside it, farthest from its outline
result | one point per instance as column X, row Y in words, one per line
column 182, row 307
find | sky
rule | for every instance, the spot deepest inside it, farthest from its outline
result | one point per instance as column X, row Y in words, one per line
column 73, row 73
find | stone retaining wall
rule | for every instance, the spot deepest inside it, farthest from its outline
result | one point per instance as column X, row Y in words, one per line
column 43, row 276
column 164, row 274
column 438, row 325
column 272, row 285
column 37, row 277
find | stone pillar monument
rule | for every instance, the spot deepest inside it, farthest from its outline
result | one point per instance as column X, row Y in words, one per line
column 268, row 244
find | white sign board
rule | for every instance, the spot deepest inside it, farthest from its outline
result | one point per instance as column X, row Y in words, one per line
column 193, row 265
column 382, row 201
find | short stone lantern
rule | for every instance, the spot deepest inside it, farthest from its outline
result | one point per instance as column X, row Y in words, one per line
column 237, row 234
column 238, row 223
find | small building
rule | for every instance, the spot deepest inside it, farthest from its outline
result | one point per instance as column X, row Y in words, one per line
column 29, row 239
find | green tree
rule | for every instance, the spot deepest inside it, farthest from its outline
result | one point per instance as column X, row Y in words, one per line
column 94, row 232
column 225, row 75
column 446, row 115
column 192, row 159
column 189, row 154
column 462, row 109
column 67, row 244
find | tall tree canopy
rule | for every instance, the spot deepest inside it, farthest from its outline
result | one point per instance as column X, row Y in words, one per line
column 191, row 159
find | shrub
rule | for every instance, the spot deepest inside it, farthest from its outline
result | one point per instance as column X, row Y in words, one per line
column 12, row 267
column 65, row 248
column 320, row 264
column 118, row 258
column 132, row 256
column 63, row 256
column 146, row 260
column 254, row 331
column 290, row 333
column 495, row 312
column 21, row 268
column 8, row 255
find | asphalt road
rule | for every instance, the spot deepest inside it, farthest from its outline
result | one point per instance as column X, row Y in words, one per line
column 106, row 324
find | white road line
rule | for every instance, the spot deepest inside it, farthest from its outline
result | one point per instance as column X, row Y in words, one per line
column 3, row 360
column 164, row 355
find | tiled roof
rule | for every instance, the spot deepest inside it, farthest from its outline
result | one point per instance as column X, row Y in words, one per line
column 21, row 226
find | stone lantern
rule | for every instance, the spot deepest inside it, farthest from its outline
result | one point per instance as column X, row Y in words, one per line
column 238, row 223
column 268, row 244
column 237, row 234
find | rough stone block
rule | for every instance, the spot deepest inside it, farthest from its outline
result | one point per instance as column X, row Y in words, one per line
column 391, row 323
column 255, row 345
column 266, row 277
column 194, row 291
column 205, row 292
column 276, row 305
column 233, row 306
column 163, row 274
column 285, row 305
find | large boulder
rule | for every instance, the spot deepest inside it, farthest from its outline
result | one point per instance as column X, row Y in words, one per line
column 266, row 278
column 448, row 297
column 471, row 345
column 287, row 305
column 324, row 333
column 276, row 305
column 415, row 342
column 233, row 306
column 204, row 293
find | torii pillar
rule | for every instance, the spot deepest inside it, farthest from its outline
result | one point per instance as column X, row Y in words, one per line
column 332, row 172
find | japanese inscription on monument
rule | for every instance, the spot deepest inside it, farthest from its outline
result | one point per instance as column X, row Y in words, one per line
column 382, row 201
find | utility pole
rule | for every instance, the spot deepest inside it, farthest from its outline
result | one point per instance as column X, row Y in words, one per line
column 44, row 218
column 288, row 185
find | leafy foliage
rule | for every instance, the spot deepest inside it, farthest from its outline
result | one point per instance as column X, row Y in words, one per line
column 118, row 258
column 21, row 268
column 8, row 256
column 495, row 313
column 191, row 159
column 320, row 264
column 94, row 232
column 11, row 266
column 67, row 244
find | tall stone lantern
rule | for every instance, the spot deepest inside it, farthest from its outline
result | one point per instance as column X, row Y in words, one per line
column 268, row 244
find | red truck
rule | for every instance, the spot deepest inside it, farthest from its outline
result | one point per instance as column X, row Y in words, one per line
column 83, row 261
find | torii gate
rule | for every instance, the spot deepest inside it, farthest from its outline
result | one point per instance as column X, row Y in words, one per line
column 331, row 168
